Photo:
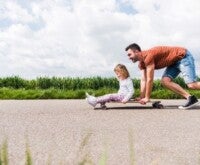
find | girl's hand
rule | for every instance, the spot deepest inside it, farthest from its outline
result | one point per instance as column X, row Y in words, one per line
column 124, row 102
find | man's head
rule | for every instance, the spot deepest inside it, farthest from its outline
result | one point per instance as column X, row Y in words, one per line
column 133, row 52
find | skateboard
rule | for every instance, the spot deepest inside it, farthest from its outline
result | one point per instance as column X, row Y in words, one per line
column 155, row 104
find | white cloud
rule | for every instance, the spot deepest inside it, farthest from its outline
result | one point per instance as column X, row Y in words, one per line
column 14, row 12
column 87, row 38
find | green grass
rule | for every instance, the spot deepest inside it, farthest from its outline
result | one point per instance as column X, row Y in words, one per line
column 20, row 94
column 4, row 153
column 8, row 93
column 75, row 88
column 84, row 153
column 83, row 157
column 103, row 158
column 28, row 156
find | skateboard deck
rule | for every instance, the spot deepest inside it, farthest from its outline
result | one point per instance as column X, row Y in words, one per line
column 154, row 104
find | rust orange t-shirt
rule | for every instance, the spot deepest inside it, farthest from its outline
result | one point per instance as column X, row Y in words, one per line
column 161, row 56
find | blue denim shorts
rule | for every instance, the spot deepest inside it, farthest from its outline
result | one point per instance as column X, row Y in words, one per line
column 185, row 66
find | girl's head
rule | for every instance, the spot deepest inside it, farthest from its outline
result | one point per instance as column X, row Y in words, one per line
column 121, row 71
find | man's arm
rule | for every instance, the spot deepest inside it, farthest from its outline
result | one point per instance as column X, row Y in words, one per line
column 149, row 82
column 143, row 84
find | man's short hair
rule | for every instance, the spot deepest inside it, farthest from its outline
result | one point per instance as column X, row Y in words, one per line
column 133, row 46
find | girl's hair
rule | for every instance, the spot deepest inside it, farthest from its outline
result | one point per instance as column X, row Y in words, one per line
column 122, row 68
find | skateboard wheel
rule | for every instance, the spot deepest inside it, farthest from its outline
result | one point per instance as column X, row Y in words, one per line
column 158, row 105
column 103, row 107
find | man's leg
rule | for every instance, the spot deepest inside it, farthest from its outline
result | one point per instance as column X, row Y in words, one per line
column 168, row 83
column 187, row 68
column 191, row 100
column 170, row 73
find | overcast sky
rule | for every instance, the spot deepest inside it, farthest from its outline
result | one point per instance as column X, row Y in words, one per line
column 81, row 38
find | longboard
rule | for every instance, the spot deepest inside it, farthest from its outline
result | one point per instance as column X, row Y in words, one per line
column 155, row 104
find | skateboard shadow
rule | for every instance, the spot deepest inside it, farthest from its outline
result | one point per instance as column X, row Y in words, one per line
column 167, row 107
column 176, row 107
column 195, row 108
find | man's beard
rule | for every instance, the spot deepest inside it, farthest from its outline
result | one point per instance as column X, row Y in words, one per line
column 134, row 60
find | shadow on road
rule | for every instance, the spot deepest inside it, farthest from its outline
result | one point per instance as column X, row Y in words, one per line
column 126, row 108
column 168, row 107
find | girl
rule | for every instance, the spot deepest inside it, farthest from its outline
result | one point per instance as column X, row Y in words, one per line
column 124, row 93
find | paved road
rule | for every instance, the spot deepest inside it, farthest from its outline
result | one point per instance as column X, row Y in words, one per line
column 70, row 132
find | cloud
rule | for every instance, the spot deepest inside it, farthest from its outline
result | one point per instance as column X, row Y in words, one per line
column 15, row 13
column 87, row 38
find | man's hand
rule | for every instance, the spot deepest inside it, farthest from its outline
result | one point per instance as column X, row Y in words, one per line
column 144, row 100
column 137, row 99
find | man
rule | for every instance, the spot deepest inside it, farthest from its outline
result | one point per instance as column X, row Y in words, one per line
column 176, row 60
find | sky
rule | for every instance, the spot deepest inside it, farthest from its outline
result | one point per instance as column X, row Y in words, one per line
column 86, row 38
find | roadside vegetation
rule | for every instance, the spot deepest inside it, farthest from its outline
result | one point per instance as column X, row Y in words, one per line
column 74, row 88
column 83, row 155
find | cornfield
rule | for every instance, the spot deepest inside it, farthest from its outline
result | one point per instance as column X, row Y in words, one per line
column 68, row 83
column 75, row 88
column 16, row 82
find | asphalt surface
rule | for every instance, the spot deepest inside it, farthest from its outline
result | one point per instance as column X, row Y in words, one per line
column 71, row 132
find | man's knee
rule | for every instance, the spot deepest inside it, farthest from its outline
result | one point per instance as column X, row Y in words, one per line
column 165, row 81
